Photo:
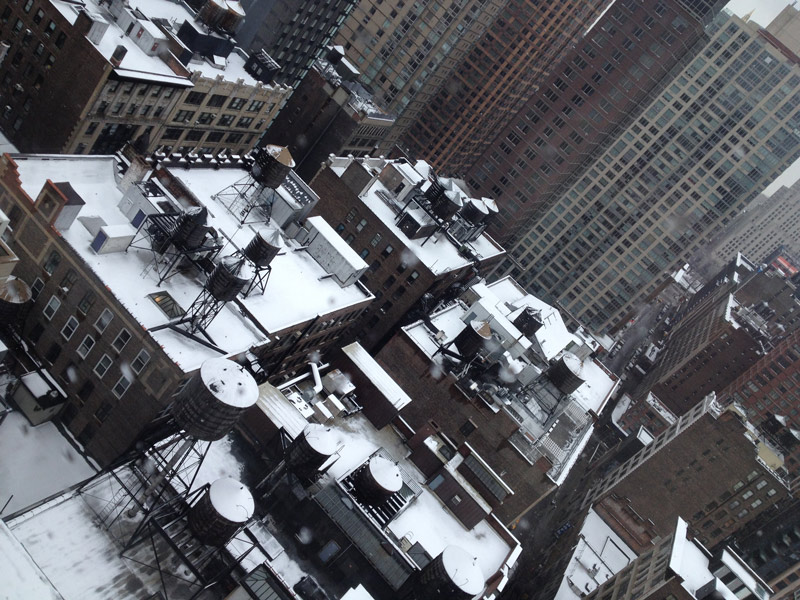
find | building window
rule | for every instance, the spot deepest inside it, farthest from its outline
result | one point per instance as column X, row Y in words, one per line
column 53, row 353
column 122, row 385
column 37, row 18
column 102, row 366
column 183, row 116
column 364, row 253
column 103, row 412
column 205, row 118
column 28, row 6
column 236, row 103
column 52, row 306
column 123, row 337
column 172, row 133
column 412, row 278
column 52, row 262
column 195, row 98
column 69, row 328
column 375, row 240
column 86, row 390
column 140, row 362
column 69, row 280
column 361, row 224
column 86, row 302
column 103, row 320
column 217, row 100
column 255, row 105
column 387, row 251
column 86, row 346
column 245, row 122
column 36, row 288
column 467, row 428
column 234, row 138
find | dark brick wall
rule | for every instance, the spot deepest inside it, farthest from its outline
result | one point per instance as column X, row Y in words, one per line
column 694, row 477
column 313, row 124
column 386, row 274
column 54, row 91
column 105, row 424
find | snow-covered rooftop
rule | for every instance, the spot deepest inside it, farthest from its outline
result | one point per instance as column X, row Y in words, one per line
column 141, row 64
column 42, row 450
column 440, row 253
column 599, row 555
column 377, row 375
column 21, row 576
column 424, row 519
column 551, row 423
column 299, row 288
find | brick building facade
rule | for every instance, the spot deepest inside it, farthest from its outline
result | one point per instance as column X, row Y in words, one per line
column 403, row 267
column 65, row 90
column 708, row 468
column 117, row 363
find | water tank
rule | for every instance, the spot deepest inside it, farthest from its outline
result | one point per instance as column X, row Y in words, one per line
column 233, row 17
column 377, row 480
column 491, row 207
column 221, row 511
column 191, row 228
column 473, row 338
column 212, row 400
column 271, row 165
column 474, row 211
column 435, row 191
column 529, row 321
column 565, row 373
column 228, row 278
column 264, row 246
column 453, row 575
column 448, row 204
column 213, row 13
column 14, row 296
column 309, row 450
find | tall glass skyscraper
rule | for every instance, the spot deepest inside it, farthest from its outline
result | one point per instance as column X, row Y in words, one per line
column 726, row 126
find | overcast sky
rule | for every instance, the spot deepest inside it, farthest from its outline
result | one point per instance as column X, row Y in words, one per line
column 765, row 11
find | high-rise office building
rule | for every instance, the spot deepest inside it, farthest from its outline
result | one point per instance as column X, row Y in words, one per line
column 292, row 32
column 601, row 84
column 506, row 65
column 710, row 467
column 770, row 393
column 769, row 222
column 431, row 63
column 720, row 132
column 678, row 568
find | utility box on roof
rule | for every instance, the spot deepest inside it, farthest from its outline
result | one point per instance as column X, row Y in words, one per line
column 39, row 397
